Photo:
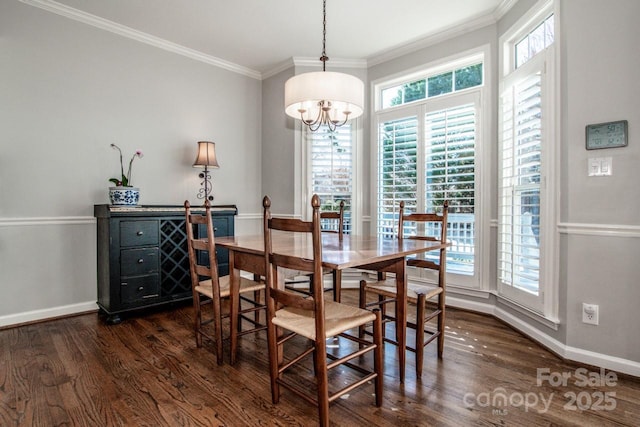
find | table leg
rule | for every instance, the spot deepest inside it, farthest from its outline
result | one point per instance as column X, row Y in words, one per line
column 401, row 315
column 234, row 305
column 337, row 284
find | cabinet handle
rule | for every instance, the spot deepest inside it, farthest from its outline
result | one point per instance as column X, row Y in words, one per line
column 215, row 228
column 140, row 233
column 141, row 288
column 123, row 284
column 140, row 261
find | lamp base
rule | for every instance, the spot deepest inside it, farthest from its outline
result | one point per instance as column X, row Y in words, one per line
column 205, row 191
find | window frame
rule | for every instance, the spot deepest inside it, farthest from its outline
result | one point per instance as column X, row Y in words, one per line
column 546, row 309
column 480, row 95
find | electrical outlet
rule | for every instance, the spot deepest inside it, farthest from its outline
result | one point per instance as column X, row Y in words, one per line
column 589, row 313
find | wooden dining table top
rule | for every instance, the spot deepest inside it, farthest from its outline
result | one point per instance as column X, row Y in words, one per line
column 337, row 254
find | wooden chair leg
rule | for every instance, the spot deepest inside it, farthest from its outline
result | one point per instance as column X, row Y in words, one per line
column 197, row 319
column 217, row 324
column 420, row 315
column 273, row 361
column 383, row 312
column 362, row 302
column 320, row 362
column 441, row 307
column 377, row 355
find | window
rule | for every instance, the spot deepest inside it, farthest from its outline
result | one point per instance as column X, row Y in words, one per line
column 526, row 236
column 535, row 41
column 519, row 237
column 427, row 153
column 439, row 84
column 331, row 167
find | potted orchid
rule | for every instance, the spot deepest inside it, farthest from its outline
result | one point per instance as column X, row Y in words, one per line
column 124, row 193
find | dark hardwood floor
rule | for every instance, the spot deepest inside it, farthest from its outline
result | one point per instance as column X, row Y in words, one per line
column 147, row 371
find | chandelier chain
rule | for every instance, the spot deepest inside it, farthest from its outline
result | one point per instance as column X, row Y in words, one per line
column 324, row 57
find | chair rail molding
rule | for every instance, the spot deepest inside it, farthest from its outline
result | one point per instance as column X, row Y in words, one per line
column 53, row 220
column 604, row 230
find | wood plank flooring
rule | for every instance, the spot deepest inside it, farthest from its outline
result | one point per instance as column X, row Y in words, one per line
column 147, row 371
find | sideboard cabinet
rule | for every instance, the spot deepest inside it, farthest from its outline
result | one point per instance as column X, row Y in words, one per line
column 142, row 255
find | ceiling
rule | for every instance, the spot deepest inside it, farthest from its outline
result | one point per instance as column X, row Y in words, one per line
column 261, row 35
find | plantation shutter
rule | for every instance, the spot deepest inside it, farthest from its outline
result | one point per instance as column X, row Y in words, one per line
column 450, row 136
column 519, row 210
column 332, row 169
column 397, row 171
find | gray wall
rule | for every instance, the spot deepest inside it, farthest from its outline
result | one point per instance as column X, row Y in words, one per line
column 277, row 144
column 601, row 224
column 68, row 90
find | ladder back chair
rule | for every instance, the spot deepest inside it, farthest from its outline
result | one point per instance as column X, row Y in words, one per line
column 429, row 299
column 210, row 288
column 335, row 219
column 291, row 315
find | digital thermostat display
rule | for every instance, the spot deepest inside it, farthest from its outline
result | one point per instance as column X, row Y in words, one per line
column 607, row 135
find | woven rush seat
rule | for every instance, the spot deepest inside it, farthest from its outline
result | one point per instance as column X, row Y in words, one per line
column 246, row 285
column 388, row 289
column 337, row 319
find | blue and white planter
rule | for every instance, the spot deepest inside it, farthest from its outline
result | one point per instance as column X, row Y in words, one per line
column 124, row 196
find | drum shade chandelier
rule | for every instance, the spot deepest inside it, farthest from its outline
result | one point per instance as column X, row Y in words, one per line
column 323, row 97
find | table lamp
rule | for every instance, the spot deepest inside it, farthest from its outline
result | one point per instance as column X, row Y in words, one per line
column 206, row 158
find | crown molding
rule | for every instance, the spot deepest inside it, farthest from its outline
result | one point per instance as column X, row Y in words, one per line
column 446, row 34
column 284, row 65
column 503, row 8
column 122, row 30
column 392, row 53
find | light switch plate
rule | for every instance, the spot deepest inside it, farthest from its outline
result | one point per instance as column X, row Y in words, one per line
column 599, row 166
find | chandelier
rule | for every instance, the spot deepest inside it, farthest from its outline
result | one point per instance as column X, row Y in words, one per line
column 324, row 97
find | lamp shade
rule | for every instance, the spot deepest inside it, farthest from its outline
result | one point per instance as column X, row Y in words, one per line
column 206, row 155
column 305, row 91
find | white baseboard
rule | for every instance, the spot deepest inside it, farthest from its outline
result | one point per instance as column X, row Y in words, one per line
column 598, row 359
column 47, row 313
column 613, row 363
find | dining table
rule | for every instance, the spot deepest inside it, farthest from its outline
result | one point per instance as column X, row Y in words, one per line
column 373, row 253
